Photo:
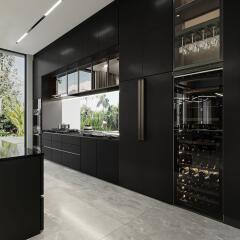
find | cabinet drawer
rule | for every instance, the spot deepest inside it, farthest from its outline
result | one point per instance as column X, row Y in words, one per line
column 46, row 142
column 56, row 144
column 56, row 138
column 71, row 160
column 71, row 140
column 57, row 156
column 71, row 148
column 47, row 153
column 47, row 136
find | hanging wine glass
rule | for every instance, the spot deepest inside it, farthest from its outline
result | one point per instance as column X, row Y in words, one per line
column 183, row 50
column 215, row 38
column 204, row 44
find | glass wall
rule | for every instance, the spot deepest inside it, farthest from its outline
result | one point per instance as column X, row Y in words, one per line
column 12, row 101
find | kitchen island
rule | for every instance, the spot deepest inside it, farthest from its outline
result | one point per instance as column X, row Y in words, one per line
column 21, row 186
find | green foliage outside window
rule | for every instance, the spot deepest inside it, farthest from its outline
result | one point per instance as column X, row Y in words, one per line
column 105, row 118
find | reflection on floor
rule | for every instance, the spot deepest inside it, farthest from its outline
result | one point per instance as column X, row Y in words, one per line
column 79, row 207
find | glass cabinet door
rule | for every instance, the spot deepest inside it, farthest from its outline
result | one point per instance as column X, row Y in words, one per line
column 198, row 133
column 197, row 33
column 62, row 84
column 72, row 82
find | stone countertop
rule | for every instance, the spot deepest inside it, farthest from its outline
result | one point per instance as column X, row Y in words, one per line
column 82, row 135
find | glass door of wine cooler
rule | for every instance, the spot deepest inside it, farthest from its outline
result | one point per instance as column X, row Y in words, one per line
column 198, row 133
column 197, row 33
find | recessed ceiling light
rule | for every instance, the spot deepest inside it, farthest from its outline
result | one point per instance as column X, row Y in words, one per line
column 22, row 37
column 52, row 8
column 45, row 15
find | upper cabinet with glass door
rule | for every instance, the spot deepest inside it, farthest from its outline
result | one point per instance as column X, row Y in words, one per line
column 106, row 73
column 197, row 33
column 85, row 79
column 72, row 82
column 62, row 85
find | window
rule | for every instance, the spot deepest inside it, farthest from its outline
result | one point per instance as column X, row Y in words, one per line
column 12, row 101
column 100, row 111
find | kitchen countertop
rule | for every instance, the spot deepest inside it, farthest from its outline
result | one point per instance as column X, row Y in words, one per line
column 82, row 135
column 11, row 151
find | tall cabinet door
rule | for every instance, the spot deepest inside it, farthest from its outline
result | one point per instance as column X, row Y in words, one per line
column 146, row 166
column 130, row 166
column 131, row 41
column 157, row 37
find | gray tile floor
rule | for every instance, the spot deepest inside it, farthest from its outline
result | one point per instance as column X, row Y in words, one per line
column 80, row 207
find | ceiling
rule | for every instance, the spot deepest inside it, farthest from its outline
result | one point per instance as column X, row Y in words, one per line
column 17, row 17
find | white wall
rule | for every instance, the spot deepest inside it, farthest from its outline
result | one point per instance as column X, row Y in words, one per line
column 71, row 112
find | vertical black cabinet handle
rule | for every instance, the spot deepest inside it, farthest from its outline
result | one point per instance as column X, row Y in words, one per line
column 141, row 109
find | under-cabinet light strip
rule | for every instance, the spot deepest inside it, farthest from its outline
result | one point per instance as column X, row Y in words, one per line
column 45, row 15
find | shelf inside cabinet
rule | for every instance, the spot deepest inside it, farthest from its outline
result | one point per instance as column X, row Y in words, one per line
column 195, row 8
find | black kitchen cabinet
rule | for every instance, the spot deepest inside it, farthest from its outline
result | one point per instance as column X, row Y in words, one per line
column 158, row 37
column 47, row 153
column 89, row 156
column 47, row 139
column 90, row 38
column 56, row 156
column 71, row 160
column 131, row 38
column 146, row 38
column 107, row 160
column 147, row 166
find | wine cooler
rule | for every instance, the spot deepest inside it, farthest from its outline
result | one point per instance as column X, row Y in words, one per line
column 198, row 133
column 197, row 33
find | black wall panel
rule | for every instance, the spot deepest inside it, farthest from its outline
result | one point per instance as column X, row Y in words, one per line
column 231, row 114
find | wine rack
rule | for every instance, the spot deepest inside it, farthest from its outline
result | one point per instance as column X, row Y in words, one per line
column 198, row 134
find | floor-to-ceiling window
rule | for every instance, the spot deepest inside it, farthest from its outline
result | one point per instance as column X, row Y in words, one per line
column 12, row 102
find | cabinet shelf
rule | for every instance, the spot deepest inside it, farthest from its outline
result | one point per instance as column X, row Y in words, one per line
column 86, row 93
column 196, row 8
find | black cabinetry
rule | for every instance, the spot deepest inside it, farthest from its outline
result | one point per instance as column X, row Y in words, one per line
column 146, row 38
column 96, row 34
column 107, row 160
column 231, row 114
column 89, row 156
column 147, row 166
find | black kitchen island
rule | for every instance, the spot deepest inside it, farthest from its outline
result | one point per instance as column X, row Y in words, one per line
column 21, row 186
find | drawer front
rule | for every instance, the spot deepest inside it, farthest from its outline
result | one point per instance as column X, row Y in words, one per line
column 56, row 138
column 57, row 156
column 71, row 140
column 56, row 144
column 47, row 136
column 71, row 148
column 71, row 160
column 46, row 142
column 47, row 153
